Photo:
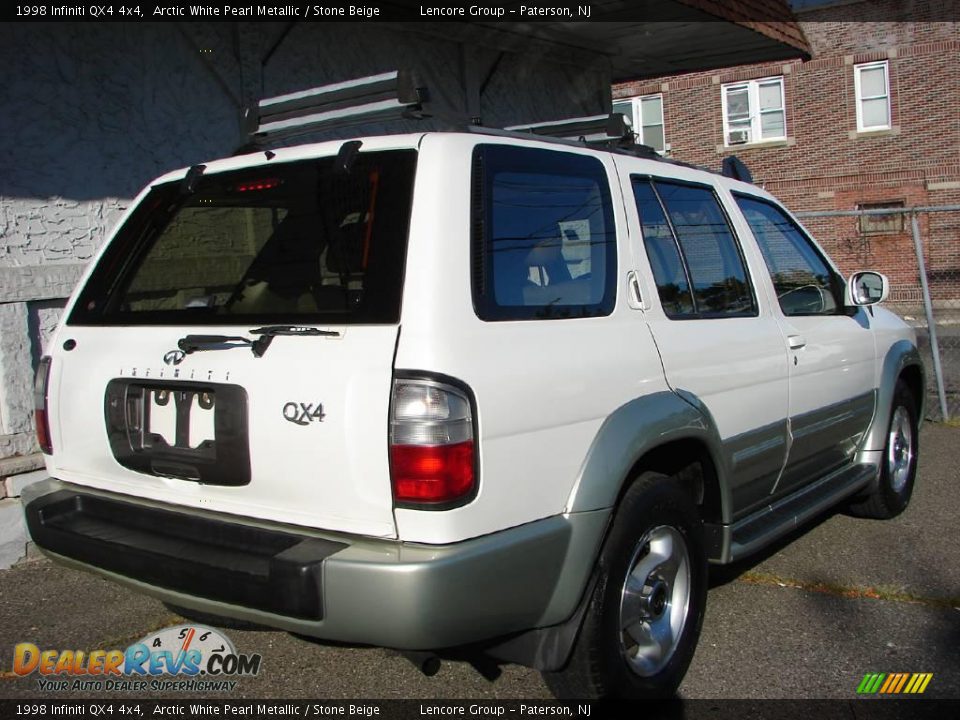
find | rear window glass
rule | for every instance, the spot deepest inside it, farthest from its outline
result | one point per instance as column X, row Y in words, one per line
column 279, row 243
column 544, row 243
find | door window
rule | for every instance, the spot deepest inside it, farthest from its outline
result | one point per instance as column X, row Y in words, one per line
column 695, row 258
column 805, row 283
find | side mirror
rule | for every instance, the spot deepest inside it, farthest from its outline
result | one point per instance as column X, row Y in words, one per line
column 868, row 288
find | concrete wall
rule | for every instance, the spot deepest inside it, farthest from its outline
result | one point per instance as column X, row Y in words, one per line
column 93, row 112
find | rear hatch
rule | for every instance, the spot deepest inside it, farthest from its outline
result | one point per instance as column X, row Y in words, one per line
column 233, row 348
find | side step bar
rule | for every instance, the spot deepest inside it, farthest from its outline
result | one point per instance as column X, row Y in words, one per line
column 769, row 523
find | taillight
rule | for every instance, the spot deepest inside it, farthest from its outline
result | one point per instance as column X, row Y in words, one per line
column 40, row 405
column 432, row 446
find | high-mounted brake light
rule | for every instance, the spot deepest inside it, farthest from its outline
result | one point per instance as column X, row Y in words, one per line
column 432, row 444
column 40, row 405
column 263, row 184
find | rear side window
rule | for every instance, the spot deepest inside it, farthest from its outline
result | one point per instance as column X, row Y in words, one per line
column 663, row 253
column 695, row 258
column 279, row 243
column 544, row 244
column 804, row 282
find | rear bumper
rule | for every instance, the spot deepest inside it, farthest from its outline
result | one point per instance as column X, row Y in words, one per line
column 323, row 585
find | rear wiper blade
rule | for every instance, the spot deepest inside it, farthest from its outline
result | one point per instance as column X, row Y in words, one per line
column 274, row 330
column 192, row 343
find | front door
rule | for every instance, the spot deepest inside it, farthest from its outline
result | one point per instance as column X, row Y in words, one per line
column 832, row 355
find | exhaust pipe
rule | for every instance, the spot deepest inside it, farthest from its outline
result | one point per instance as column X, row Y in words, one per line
column 426, row 662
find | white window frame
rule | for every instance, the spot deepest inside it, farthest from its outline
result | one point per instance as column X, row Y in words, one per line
column 753, row 101
column 636, row 117
column 857, row 69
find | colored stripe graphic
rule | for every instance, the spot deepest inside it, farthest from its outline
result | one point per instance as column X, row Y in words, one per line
column 894, row 683
column 870, row 683
column 890, row 683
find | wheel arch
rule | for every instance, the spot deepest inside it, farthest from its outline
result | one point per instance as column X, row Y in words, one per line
column 902, row 361
column 661, row 432
column 913, row 376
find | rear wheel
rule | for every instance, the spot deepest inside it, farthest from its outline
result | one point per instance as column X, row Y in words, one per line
column 644, row 618
column 899, row 468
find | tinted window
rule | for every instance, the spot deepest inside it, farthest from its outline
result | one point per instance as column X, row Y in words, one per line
column 293, row 241
column 663, row 253
column 804, row 282
column 689, row 241
column 544, row 239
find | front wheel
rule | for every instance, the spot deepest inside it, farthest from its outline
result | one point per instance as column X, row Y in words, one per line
column 899, row 466
column 644, row 617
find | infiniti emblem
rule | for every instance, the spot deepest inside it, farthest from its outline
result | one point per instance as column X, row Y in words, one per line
column 174, row 357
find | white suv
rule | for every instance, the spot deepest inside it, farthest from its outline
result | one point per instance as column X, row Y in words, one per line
column 429, row 390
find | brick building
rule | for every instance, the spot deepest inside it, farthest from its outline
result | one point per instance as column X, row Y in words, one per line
column 871, row 120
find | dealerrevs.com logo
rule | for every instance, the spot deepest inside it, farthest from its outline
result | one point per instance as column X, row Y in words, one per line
column 186, row 658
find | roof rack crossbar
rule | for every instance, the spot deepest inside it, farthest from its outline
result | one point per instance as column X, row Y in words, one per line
column 591, row 128
column 389, row 95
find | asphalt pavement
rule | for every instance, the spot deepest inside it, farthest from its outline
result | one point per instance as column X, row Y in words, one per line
column 807, row 619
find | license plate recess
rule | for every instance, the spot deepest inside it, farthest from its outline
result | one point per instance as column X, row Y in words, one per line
column 184, row 430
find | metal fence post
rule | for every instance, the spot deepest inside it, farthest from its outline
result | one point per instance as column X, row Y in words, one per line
column 928, row 308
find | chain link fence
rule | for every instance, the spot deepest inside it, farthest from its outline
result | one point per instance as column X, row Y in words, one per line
column 918, row 249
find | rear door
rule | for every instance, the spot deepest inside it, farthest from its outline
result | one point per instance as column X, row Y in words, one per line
column 719, row 347
column 288, row 423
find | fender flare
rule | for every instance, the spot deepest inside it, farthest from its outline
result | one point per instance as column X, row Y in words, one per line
column 633, row 430
column 901, row 355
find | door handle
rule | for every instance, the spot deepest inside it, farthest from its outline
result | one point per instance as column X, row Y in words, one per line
column 635, row 297
column 795, row 342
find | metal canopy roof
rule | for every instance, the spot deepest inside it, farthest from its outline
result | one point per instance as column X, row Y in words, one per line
column 651, row 38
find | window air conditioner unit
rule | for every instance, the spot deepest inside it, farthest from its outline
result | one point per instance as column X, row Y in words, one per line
column 738, row 137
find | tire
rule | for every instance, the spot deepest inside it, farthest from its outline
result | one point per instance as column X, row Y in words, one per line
column 652, row 584
column 899, row 468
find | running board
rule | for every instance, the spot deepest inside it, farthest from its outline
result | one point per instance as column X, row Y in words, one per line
column 762, row 527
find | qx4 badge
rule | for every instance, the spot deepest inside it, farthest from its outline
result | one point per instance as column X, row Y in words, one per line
column 303, row 413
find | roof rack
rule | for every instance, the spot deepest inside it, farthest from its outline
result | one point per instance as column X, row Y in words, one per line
column 389, row 95
column 589, row 129
column 398, row 95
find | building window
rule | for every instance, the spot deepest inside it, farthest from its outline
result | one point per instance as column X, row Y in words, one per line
column 872, row 84
column 646, row 117
column 881, row 224
column 754, row 111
